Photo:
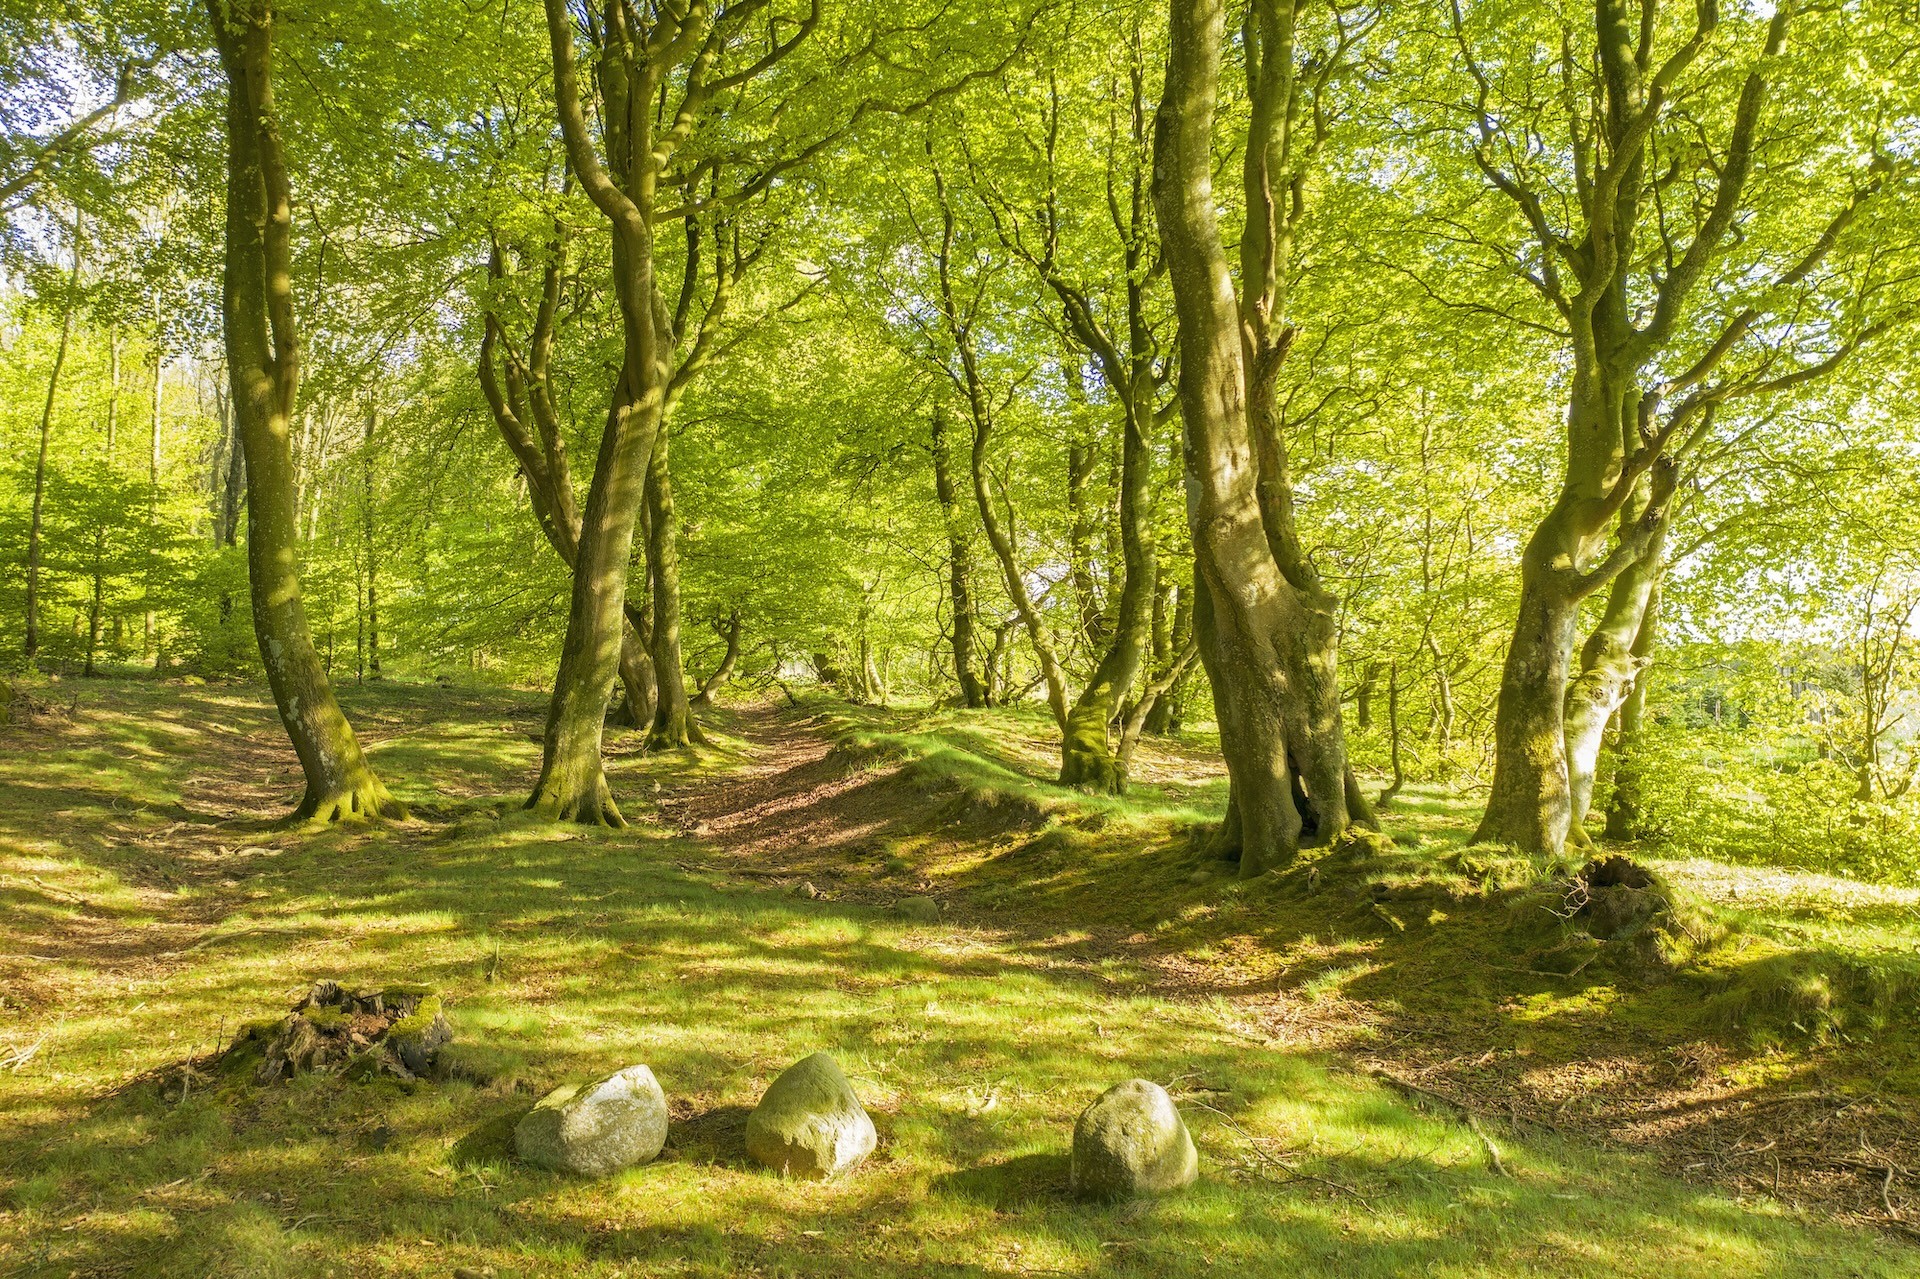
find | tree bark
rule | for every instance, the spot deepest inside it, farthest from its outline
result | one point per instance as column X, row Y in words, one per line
column 1167, row 714
column 519, row 393
column 1087, row 757
column 368, row 550
column 97, row 599
column 1609, row 667
column 32, row 637
column 1081, row 456
column 1622, row 309
column 724, row 671
column 1626, row 810
column 1266, row 635
column 673, row 722
column 1392, row 792
column 263, row 367
column 973, row 690
column 236, row 483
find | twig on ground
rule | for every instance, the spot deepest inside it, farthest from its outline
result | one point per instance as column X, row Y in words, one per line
column 1293, row 1174
column 1494, row 1163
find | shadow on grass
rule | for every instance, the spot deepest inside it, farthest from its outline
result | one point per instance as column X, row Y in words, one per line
column 564, row 953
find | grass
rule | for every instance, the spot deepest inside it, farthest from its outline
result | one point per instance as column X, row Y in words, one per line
column 138, row 928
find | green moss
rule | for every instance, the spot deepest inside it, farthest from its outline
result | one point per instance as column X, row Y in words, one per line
column 974, row 1046
column 418, row 1023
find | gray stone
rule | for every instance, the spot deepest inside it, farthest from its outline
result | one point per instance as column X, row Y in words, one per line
column 1131, row 1142
column 596, row 1129
column 809, row 1123
column 923, row 910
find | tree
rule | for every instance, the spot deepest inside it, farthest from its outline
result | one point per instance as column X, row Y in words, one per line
column 1669, row 305
column 1265, row 621
column 262, row 351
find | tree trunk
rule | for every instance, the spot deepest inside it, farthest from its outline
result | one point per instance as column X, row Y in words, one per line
column 1011, row 576
column 973, row 690
column 523, row 409
column 1392, row 792
column 1608, row 669
column 32, row 639
column 673, row 722
column 1166, row 716
column 1087, row 757
column 1081, row 456
column 1529, row 806
column 721, row 673
column 1150, row 697
column 1266, row 640
column 367, row 545
column 1363, row 695
column 573, row 785
column 1443, row 709
column 1626, row 811
column 100, row 533
column 262, row 363
column 236, row 467
column 233, row 493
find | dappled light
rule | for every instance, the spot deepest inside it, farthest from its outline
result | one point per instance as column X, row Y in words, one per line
column 800, row 637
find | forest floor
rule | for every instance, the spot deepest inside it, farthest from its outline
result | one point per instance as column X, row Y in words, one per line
column 1376, row 1089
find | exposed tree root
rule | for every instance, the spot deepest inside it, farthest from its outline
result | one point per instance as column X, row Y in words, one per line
column 675, row 732
column 1099, row 773
column 591, row 806
column 359, row 800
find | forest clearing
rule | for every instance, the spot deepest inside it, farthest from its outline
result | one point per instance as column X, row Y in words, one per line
column 900, row 637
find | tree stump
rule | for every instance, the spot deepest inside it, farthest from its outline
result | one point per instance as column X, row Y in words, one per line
column 360, row 1034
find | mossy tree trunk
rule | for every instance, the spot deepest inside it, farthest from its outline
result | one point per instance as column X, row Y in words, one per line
column 369, row 551
column 1626, row 809
column 673, row 722
column 1164, row 716
column 519, row 391
column 1610, row 665
column 729, row 632
column 652, row 88
column 1624, row 311
column 1264, row 623
column 263, row 369
column 1120, row 342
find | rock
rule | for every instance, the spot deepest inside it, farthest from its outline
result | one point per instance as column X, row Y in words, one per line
column 923, row 910
column 596, row 1129
column 1131, row 1142
column 809, row 1123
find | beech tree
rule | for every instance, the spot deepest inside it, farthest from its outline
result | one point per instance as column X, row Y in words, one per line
column 1673, row 299
column 1265, row 621
column 263, row 363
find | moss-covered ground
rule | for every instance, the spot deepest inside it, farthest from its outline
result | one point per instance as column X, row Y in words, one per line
column 149, row 908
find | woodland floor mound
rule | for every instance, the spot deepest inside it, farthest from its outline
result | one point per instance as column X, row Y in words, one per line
column 146, row 898
column 1628, row 1000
